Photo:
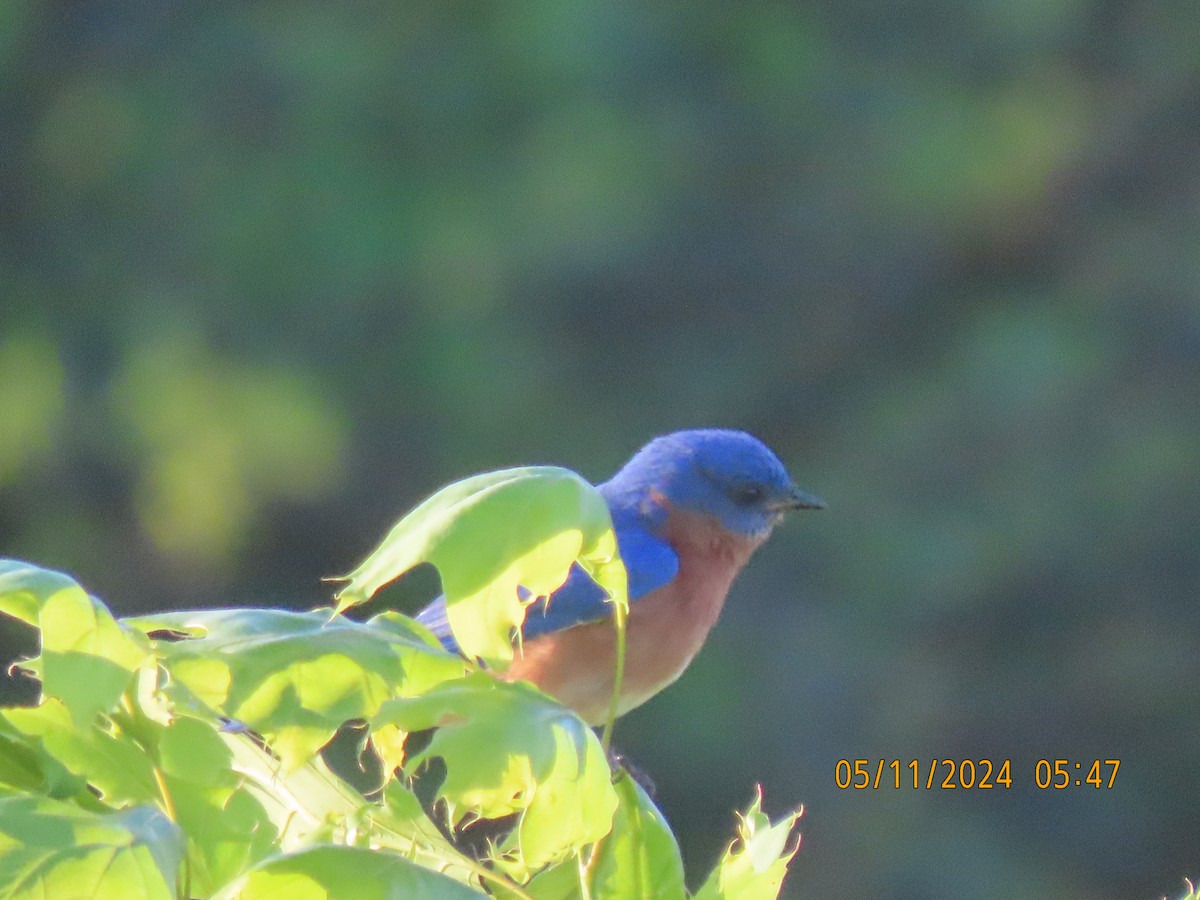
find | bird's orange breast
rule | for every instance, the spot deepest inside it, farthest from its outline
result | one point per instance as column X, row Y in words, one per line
column 665, row 629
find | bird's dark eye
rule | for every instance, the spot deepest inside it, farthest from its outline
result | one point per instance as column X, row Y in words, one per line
column 748, row 494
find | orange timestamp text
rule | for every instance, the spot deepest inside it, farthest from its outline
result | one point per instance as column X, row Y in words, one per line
column 970, row 774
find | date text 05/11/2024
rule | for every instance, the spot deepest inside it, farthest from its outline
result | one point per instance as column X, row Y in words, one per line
column 972, row 774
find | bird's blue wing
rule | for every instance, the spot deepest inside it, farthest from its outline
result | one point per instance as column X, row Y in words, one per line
column 649, row 561
column 434, row 618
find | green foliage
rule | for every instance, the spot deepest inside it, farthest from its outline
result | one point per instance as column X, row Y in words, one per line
column 180, row 755
column 482, row 559
column 296, row 677
column 639, row 858
column 753, row 866
column 87, row 658
column 321, row 872
column 55, row 849
column 542, row 762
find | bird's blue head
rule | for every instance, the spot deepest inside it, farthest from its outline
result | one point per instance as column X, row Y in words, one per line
column 729, row 475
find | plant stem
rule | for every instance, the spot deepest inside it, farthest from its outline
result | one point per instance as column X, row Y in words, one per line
column 167, row 803
column 507, row 883
column 618, row 677
column 585, row 886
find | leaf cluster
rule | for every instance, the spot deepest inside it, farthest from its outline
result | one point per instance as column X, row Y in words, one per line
column 185, row 754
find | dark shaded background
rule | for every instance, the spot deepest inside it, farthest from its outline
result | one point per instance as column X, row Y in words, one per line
column 272, row 272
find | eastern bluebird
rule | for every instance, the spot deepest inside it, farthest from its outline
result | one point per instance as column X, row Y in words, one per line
column 688, row 509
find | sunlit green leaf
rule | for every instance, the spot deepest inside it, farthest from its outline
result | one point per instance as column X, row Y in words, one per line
column 488, row 534
column 26, row 765
column 87, row 657
column 639, row 858
column 20, row 766
column 313, row 804
column 754, row 865
column 509, row 748
column 54, row 849
column 320, row 873
column 193, row 750
column 402, row 819
column 226, row 827
column 297, row 677
column 227, row 830
column 100, row 752
column 561, row 881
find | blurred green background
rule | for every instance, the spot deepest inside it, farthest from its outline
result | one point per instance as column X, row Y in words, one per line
column 272, row 272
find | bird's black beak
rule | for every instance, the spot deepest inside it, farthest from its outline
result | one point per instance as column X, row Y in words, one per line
column 800, row 499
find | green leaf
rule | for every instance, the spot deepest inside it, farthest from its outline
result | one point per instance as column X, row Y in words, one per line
column 227, row 830
column 753, row 867
column 488, row 534
column 562, row 881
column 319, row 873
column 53, row 849
column 27, row 766
column 640, row 857
column 296, row 677
column 87, row 657
column 20, row 763
column 312, row 804
column 226, row 825
column 509, row 748
column 99, row 752
column 192, row 750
